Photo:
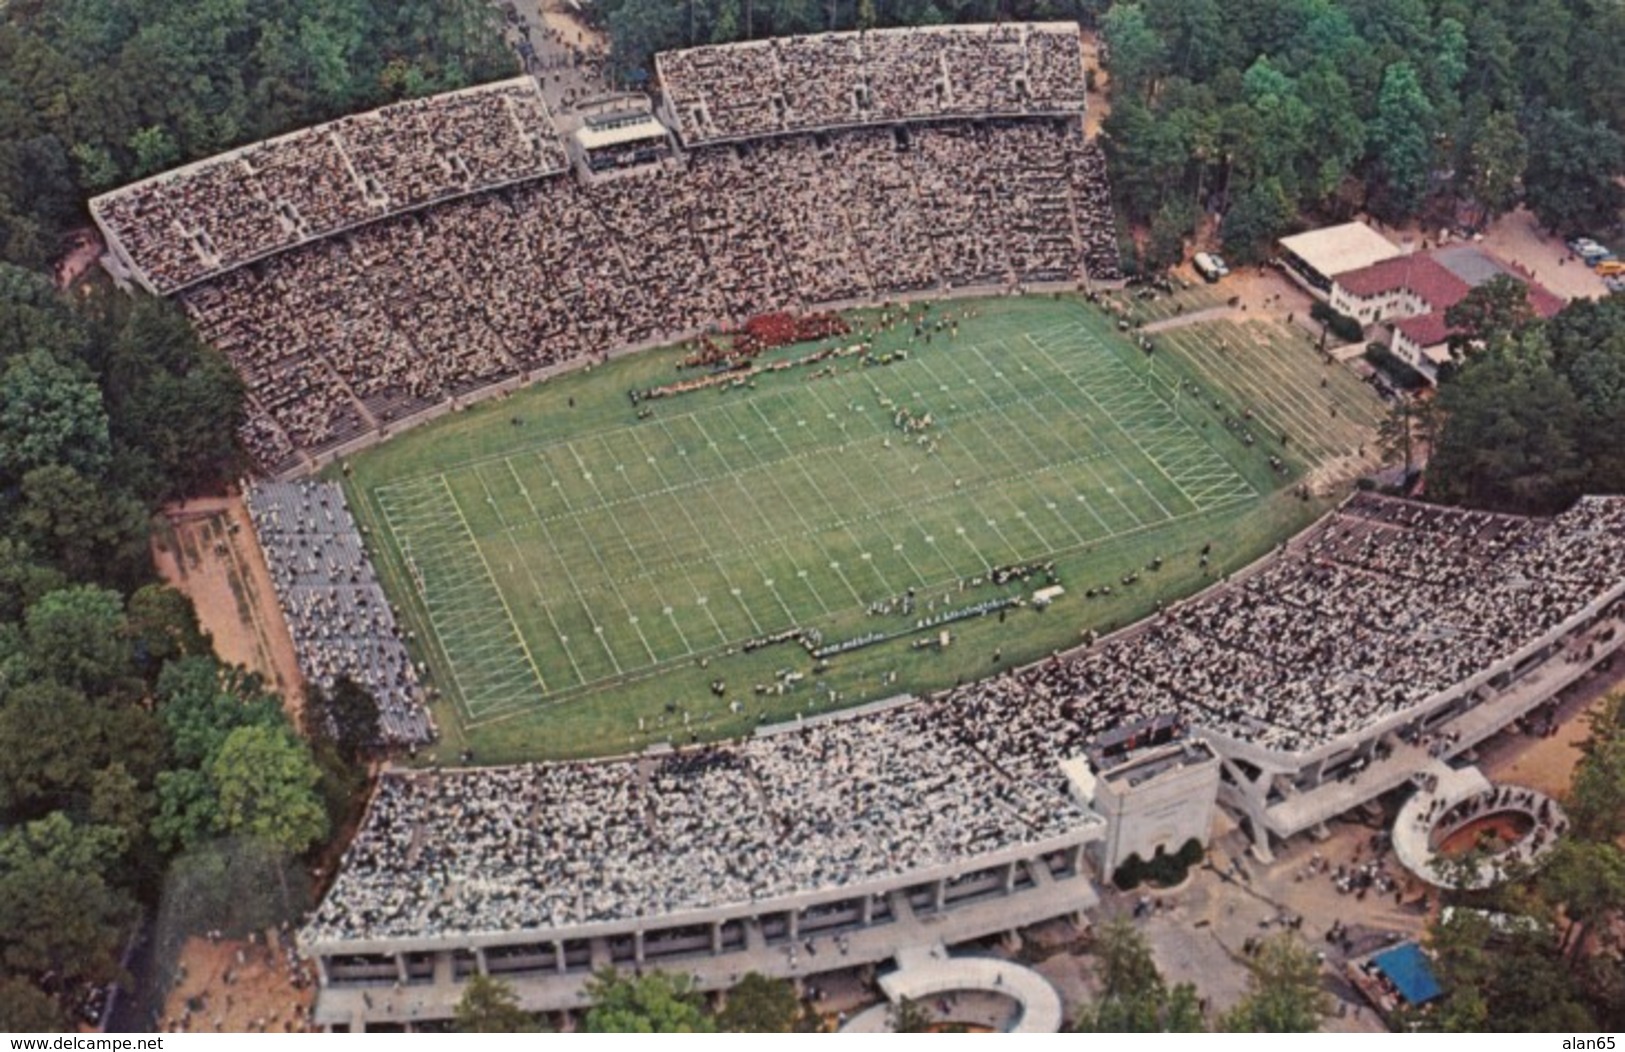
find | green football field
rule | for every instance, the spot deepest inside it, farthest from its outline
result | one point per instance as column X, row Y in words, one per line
column 584, row 579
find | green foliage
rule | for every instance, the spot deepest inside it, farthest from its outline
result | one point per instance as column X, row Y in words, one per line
column 656, row 1003
column 61, row 919
column 1494, row 313
column 347, row 716
column 1260, row 214
column 1509, row 438
column 1134, row 997
column 265, row 782
column 490, row 1006
column 908, row 1016
column 50, row 413
column 1570, row 180
column 1515, row 982
column 78, row 637
column 1341, row 325
column 1283, row 991
column 759, row 1005
column 1404, row 375
column 163, row 625
column 1596, row 800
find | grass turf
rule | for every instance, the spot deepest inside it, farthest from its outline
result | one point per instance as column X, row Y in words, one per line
column 580, row 579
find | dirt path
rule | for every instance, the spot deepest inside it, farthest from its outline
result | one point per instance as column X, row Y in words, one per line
column 208, row 551
column 238, row 987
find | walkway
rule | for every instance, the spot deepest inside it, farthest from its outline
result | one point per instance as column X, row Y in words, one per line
column 926, row 972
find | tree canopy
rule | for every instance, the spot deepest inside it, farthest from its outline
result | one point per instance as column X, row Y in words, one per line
column 656, row 1003
column 1260, row 112
column 1134, row 997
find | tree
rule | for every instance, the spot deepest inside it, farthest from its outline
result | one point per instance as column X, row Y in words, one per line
column 1596, row 799
column 1497, row 311
column 1257, row 218
column 265, row 782
column 23, row 579
column 61, row 922
column 490, row 1006
column 1410, row 422
column 201, row 702
column 1402, row 135
column 163, row 625
column 1495, row 165
column 1136, row 51
column 1283, row 991
column 908, row 1016
column 759, row 1005
column 1502, row 981
column 1134, row 997
column 1509, row 436
column 1588, row 878
column 90, row 529
column 50, row 413
column 77, row 637
column 1569, row 182
column 347, row 715
column 656, row 1003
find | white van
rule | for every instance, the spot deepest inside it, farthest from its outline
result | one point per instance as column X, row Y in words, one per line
column 1211, row 267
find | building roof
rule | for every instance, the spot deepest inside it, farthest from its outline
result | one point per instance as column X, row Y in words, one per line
column 1441, row 279
column 1476, row 266
column 620, row 134
column 1408, row 969
column 1334, row 250
column 1425, row 330
column 1418, row 273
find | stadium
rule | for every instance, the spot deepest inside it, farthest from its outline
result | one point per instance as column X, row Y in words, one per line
column 816, row 473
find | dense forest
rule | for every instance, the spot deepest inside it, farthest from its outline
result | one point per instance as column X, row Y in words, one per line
column 131, row 760
column 1263, row 110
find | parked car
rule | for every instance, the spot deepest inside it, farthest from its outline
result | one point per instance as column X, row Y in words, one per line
column 1211, row 267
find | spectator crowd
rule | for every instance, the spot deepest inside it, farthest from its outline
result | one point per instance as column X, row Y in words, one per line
column 1380, row 607
column 207, row 218
column 363, row 270
column 879, row 76
column 343, row 336
column 340, row 620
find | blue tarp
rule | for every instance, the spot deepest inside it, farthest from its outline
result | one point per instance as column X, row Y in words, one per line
column 1408, row 969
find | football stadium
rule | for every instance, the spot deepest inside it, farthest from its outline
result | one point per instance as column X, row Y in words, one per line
column 789, row 545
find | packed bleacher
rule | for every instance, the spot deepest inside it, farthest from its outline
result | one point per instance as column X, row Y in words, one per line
column 183, row 226
column 1378, row 608
column 340, row 337
column 880, row 76
column 339, row 617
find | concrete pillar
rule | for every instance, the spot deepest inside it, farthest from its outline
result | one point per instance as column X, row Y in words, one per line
column 868, row 909
column 637, row 946
column 792, row 924
column 716, row 937
column 321, row 971
column 400, row 967
column 479, row 961
column 1010, row 877
column 1075, row 859
column 558, row 957
column 939, row 895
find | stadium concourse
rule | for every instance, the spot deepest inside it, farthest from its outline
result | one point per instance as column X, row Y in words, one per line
column 363, row 274
column 1361, row 656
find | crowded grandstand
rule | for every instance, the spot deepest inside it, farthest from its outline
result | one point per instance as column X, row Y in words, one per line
column 433, row 248
column 1370, row 618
